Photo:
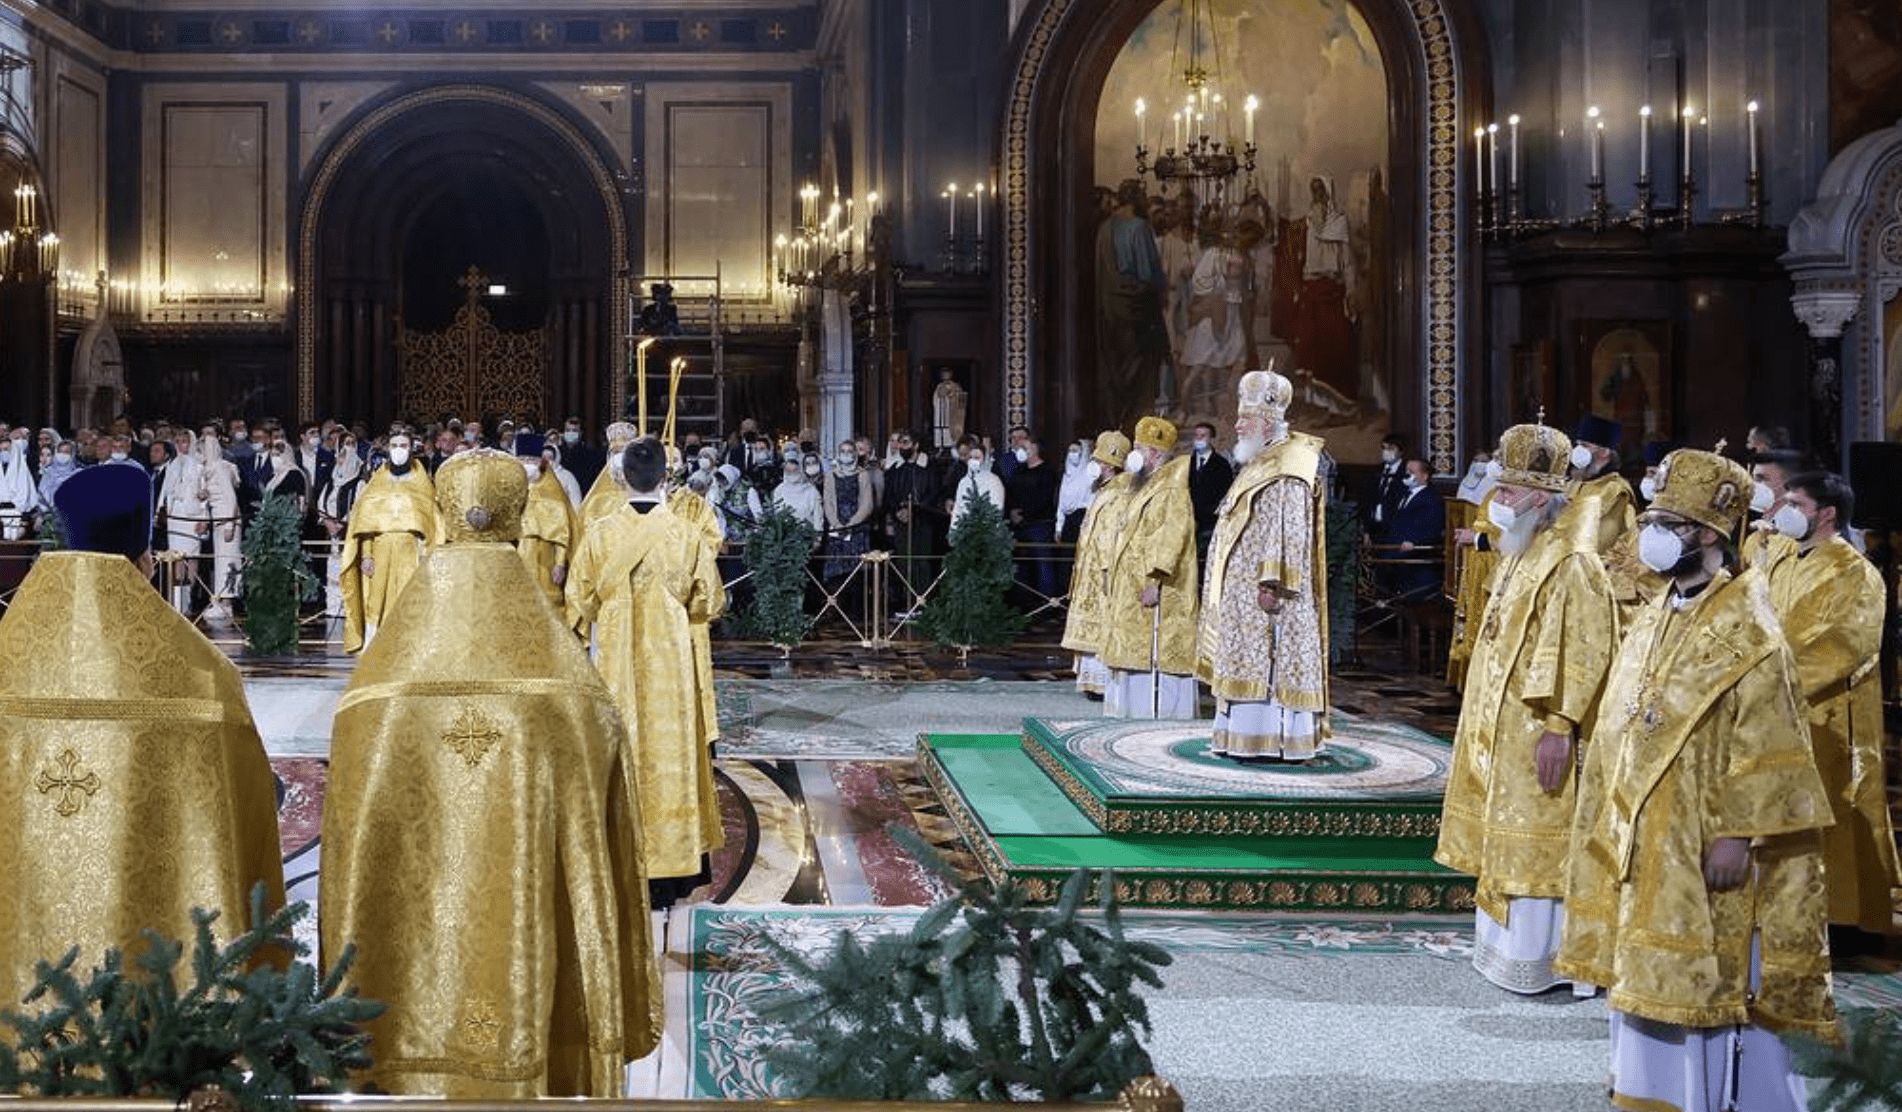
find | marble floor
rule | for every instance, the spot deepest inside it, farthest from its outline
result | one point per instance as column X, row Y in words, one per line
column 815, row 773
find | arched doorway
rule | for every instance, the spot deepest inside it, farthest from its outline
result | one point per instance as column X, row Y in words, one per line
column 426, row 186
column 1433, row 55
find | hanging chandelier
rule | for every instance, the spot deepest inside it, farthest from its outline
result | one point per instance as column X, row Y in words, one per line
column 1195, row 156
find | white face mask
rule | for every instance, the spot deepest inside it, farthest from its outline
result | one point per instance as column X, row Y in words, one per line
column 1648, row 486
column 1201, row 445
column 1581, row 457
column 1414, row 483
column 847, row 459
column 1762, row 497
column 533, row 467
column 1136, row 461
column 1022, row 455
column 117, row 456
column 571, row 435
column 974, row 465
column 1094, row 470
column 1389, row 455
column 62, row 457
column 1501, row 514
column 399, row 455
column 1791, row 523
column 1659, row 549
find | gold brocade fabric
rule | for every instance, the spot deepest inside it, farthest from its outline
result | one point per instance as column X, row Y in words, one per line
column 133, row 786
column 1083, row 627
column 1829, row 601
column 1475, row 583
column 1605, row 510
column 696, row 511
column 1701, row 736
column 1613, row 509
column 481, row 846
column 1540, row 659
column 1156, row 545
column 394, row 522
column 641, row 581
column 607, row 494
column 550, row 531
column 1271, row 532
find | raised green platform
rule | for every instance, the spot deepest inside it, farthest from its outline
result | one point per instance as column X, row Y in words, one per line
column 1372, row 780
column 1022, row 826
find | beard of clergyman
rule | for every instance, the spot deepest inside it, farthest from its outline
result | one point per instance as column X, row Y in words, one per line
column 1528, row 525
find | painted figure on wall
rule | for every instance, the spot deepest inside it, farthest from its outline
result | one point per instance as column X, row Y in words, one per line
column 1285, row 263
column 1132, row 342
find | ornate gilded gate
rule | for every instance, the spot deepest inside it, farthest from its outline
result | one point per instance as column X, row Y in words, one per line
column 474, row 369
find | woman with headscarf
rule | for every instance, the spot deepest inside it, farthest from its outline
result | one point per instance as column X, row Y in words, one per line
column 287, row 479
column 334, row 499
column 19, row 495
column 52, row 474
column 221, row 484
column 551, row 459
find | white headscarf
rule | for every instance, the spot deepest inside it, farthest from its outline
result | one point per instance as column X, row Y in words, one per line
column 1076, row 491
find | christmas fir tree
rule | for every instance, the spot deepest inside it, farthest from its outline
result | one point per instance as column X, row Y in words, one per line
column 776, row 555
column 969, row 605
column 276, row 576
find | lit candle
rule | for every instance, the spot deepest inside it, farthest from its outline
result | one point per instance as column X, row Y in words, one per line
column 977, row 206
column 1142, row 123
column 1479, row 157
column 1595, row 140
column 951, row 203
column 1644, row 143
column 1248, row 119
column 1690, row 121
column 1751, row 109
column 1512, row 151
column 1492, row 158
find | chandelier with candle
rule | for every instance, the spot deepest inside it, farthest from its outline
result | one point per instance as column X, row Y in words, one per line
column 828, row 248
column 1202, row 153
column 26, row 252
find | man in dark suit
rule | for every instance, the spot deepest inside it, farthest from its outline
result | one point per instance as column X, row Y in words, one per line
column 579, row 456
column 1210, row 475
column 1388, row 488
column 1415, row 533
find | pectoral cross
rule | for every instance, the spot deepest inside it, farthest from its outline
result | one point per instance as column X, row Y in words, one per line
column 73, row 788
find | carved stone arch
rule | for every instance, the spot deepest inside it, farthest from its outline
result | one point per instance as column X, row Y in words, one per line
column 1439, row 85
column 1845, row 256
column 98, row 391
column 599, row 176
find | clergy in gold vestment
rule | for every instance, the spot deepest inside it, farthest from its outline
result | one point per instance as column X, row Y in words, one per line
column 1828, row 598
column 1696, row 889
column 640, row 581
column 1476, row 544
column 392, row 525
column 480, row 831
column 1539, row 662
column 609, row 492
column 1263, row 644
column 698, row 513
column 1089, row 572
column 1150, row 606
column 133, row 786
column 550, row 527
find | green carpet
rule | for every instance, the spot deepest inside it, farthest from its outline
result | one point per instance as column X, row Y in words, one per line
column 1371, row 779
column 1020, row 826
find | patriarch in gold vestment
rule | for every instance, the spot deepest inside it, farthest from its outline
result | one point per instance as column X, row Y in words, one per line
column 1149, row 634
column 640, row 581
column 392, row 526
column 1263, row 642
column 550, row 527
column 1539, row 663
column 1828, row 597
column 1696, row 891
column 481, row 829
column 1083, row 626
column 133, row 785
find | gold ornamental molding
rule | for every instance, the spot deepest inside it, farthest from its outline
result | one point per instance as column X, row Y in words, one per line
column 1441, row 249
column 338, row 155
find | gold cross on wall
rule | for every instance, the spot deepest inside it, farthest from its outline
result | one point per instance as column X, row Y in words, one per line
column 307, row 31
column 700, row 31
column 776, row 31
column 231, row 33
column 621, row 31
column 465, row 31
column 388, row 33
column 542, row 32
column 73, row 788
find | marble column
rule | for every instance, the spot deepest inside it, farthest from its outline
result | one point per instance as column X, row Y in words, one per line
column 835, row 371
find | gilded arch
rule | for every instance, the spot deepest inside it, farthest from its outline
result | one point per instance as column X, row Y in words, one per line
column 1441, row 77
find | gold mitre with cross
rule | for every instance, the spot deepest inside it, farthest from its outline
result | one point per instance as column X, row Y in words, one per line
column 1264, row 394
column 481, row 494
column 621, row 434
column 1156, row 432
column 1537, row 456
column 1706, row 487
column 1112, row 448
